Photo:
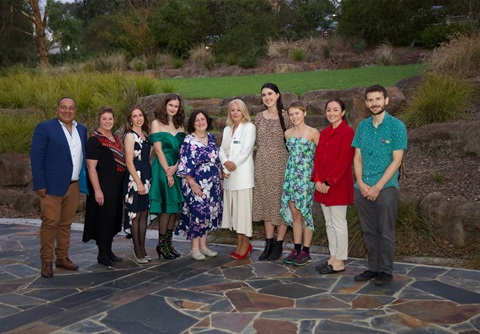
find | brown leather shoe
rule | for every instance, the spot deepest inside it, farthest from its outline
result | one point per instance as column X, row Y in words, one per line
column 47, row 270
column 66, row 264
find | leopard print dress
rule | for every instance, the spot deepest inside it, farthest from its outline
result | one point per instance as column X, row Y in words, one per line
column 270, row 162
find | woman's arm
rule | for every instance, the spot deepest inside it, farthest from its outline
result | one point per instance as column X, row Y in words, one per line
column 93, row 177
column 157, row 145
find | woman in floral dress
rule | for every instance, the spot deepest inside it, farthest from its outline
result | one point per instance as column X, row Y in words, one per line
column 298, row 188
column 137, row 182
column 199, row 167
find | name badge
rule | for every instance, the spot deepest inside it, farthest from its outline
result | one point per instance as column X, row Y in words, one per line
column 236, row 142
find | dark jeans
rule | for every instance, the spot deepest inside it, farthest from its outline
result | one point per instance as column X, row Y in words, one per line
column 377, row 219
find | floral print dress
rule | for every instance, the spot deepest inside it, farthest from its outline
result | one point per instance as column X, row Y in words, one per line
column 200, row 214
column 298, row 186
column 133, row 201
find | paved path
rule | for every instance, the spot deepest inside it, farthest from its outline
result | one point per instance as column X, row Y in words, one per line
column 220, row 295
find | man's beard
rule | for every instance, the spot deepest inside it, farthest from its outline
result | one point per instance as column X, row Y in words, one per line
column 378, row 112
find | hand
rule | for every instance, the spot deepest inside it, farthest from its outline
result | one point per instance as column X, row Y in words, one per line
column 230, row 166
column 99, row 197
column 372, row 193
column 321, row 187
column 141, row 189
column 196, row 189
column 226, row 176
column 364, row 188
column 170, row 180
column 170, row 171
column 41, row 192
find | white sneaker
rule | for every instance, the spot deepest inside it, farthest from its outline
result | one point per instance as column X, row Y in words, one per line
column 208, row 252
column 197, row 255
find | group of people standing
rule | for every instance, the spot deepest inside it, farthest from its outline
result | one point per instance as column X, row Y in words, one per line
column 194, row 187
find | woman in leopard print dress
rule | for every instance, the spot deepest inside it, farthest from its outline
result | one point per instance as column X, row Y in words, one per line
column 270, row 162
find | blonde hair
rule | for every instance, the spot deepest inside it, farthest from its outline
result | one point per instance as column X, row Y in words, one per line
column 243, row 108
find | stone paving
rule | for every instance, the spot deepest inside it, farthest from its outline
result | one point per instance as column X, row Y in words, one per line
column 220, row 295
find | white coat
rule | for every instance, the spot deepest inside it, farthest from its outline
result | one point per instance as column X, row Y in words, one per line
column 241, row 153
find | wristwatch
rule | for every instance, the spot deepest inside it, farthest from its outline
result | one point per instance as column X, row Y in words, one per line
column 326, row 183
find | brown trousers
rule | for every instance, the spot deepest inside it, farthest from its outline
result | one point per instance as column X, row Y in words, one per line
column 57, row 214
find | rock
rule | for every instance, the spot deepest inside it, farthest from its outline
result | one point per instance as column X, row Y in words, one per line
column 15, row 169
column 287, row 68
column 457, row 219
column 28, row 202
column 453, row 140
column 8, row 196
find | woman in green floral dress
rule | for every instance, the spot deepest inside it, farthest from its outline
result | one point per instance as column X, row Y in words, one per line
column 298, row 188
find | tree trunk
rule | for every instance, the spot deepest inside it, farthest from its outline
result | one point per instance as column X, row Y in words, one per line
column 40, row 25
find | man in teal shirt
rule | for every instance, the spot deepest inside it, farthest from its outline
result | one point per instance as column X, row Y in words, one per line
column 380, row 142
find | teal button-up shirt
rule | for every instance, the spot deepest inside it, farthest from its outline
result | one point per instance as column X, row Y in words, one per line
column 377, row 145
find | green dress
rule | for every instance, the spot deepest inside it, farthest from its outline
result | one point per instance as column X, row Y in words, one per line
column 164, row 199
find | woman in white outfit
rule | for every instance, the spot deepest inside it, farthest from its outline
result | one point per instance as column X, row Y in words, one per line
column 236, row 157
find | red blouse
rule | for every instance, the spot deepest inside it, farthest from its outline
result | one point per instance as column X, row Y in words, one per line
column 333, row 163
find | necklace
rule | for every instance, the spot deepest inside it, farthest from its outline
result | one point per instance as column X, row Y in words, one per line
column 202, row 139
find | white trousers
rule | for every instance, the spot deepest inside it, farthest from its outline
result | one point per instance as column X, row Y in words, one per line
column 337, row 230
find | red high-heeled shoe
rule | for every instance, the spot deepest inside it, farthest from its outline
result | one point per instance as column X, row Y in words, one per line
column 244, row 256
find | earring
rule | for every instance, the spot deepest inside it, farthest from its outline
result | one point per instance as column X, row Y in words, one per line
column 131, row 123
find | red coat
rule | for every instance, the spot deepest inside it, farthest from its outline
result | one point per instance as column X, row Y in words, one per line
column 333, row 163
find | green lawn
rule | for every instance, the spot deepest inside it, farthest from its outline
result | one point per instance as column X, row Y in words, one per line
column 298, row 83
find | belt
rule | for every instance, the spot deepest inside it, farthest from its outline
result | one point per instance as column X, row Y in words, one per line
column 72, row 182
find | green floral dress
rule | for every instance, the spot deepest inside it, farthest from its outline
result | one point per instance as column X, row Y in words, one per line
column 298, row 186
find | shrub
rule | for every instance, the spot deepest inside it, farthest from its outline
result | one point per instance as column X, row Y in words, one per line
column 249, row 60
column 440, row 98
column 359, row 45
column 298, row 54
column 386, row 54
column 177, row 62
column 168, row 86
column 155, row 60
column 279, row 49
column 434, row 36
column 201, row 56
column 110, row 63
column 436, row 176
column 459, row 57
column 231, row 59
column 138, row 64
column 17, row 130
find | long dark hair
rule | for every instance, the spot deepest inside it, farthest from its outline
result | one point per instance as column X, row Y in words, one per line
column 128, row 124
column 161, row 111
column 274, row 87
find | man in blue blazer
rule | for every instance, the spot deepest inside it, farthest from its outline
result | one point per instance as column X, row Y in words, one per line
column 57, row 158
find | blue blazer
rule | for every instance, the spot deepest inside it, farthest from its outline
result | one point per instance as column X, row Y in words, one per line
column 51, row 159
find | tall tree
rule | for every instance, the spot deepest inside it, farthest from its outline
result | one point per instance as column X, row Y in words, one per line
column 40, row 24
column 16, row 34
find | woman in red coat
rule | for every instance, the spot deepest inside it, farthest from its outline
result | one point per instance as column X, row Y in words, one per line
column 332, row 174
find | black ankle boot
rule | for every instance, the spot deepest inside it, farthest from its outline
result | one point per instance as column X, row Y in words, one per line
column 277, row 250
column 267, row 250
column 103, row 258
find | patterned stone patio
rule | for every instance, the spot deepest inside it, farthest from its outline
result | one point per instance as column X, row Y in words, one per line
column 220, row 295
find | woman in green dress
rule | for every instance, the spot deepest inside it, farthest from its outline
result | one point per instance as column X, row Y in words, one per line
column 166, row 197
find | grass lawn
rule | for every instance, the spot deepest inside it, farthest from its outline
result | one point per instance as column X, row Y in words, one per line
column 298, row 83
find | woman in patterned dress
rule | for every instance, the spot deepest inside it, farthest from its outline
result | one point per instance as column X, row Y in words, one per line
column 332, row 174
column 270, row 162
column 166, row 197
column 199, row 167
column 106, row 172
column 137, row 182
column 298, row 188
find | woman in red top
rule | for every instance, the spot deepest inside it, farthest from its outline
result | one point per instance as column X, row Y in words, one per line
column 332, row 174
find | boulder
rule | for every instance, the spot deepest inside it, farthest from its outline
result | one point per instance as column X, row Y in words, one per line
column 287, row 68
column 457, row 219
column 452, row 140
column 15, row 169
